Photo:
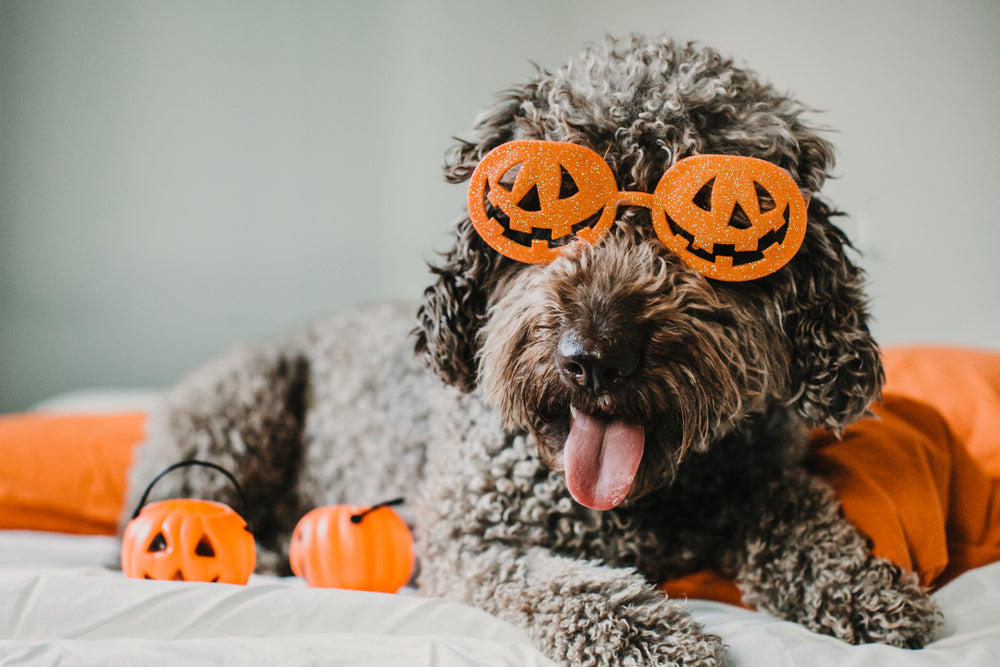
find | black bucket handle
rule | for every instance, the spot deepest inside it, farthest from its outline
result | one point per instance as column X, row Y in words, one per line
column 191, row 462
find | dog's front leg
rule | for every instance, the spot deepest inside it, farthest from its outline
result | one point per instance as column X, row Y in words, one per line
column 577, row 612
column 497, row 530
column 804, row 561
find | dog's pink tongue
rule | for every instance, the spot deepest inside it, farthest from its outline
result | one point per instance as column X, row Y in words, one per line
column 601, row 459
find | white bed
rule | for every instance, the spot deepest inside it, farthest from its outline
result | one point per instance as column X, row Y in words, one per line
column 62, row 605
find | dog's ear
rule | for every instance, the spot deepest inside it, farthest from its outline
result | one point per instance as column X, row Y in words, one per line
column 454, row 307
column 836, row 368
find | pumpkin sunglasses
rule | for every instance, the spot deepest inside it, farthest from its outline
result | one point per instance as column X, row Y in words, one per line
column 561, row 192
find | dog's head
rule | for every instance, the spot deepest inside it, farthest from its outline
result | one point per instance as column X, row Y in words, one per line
column 618, row 356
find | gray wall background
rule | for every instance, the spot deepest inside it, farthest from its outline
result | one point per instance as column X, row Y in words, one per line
column 178, row 176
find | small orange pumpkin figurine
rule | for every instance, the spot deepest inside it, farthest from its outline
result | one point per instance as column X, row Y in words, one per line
column 348, row 546
column 188, row 540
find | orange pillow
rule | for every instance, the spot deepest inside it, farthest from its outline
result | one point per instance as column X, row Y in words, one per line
column 66, row 473
column 962, row 384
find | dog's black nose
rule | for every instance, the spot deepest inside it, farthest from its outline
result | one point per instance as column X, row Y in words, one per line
column 589, row 364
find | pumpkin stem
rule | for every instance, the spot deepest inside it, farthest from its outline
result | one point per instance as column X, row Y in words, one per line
column 356, row 518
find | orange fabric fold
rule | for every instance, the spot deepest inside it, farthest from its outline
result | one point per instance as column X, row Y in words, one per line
column 704, row 585
column 907, row 483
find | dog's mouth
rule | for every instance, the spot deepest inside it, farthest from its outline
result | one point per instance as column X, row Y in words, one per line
column 607, row 459
column 601, row 458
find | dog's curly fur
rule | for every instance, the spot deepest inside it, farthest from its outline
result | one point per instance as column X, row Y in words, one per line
column 729, row 376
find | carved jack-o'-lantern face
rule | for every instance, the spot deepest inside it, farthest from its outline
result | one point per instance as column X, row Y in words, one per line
column 528, row 199
column 729, row 217
column 188, row 540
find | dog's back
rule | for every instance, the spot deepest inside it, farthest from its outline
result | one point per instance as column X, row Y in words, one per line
column 369, row 410
column 336, row 413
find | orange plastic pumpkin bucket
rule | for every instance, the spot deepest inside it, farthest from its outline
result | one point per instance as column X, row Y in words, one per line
column 188, row 540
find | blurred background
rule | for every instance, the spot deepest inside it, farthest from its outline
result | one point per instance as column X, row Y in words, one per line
column 179, row 176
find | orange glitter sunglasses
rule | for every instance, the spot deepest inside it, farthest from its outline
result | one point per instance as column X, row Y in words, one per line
column 563, row 192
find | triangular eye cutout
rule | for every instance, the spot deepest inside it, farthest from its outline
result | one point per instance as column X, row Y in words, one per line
column 764, row 198
column 159, row 543
column 530, row 201
column 204, row 548
column 739, row 219
column 507, row 180
column 567, row 187
column 703, row 198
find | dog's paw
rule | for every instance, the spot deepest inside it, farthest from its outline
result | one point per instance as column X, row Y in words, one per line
column 577, row 612
column 668, row 636
column 884, row 604
column 618, row 629
column 893, row 609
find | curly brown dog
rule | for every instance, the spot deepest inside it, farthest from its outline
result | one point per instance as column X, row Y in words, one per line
column 608, row 419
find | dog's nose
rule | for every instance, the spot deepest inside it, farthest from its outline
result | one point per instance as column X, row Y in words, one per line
column 589, row 364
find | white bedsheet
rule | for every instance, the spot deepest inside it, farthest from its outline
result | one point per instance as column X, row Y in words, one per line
column 59, row 605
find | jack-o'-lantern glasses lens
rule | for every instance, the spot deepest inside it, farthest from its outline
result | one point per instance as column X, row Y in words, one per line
column 729, row 217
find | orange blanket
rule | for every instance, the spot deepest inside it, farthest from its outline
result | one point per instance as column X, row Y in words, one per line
column 922, row 480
